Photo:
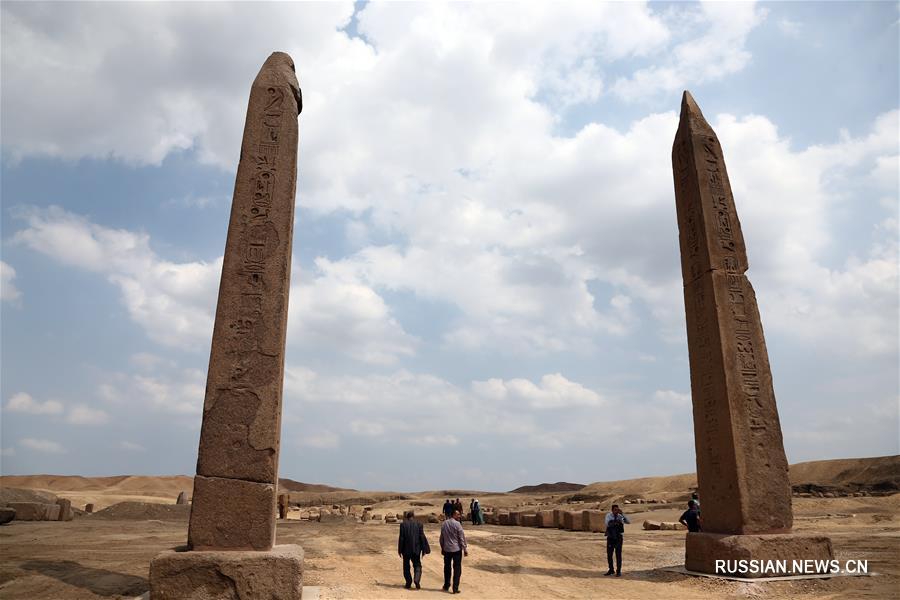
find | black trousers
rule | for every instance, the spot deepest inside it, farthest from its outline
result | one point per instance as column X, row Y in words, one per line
column 455, row 559
column 416, row 575
column 614, row 544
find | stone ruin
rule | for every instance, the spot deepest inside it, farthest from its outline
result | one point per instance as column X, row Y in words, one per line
column 231, row 548
column 742, row 471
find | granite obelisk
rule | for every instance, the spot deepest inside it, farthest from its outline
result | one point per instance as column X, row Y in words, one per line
column 742, row 470
column 233, row 511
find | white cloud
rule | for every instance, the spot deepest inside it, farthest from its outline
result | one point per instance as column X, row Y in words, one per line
column 81, row 414
column 41, row 445
column 435, row 440
column 554, row 391
column 341, row 313
column 171, row 301
column 24, row 403
column 131, row 446
column 8, row 290
column 321, row 439
column 719, row 52
column 177, row 391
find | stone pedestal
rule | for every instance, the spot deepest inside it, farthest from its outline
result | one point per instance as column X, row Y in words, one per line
column 702, row 550
column 275, row 574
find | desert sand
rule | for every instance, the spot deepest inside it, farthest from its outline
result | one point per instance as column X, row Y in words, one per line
column 107, row 554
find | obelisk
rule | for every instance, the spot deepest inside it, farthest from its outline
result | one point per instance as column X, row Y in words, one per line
column 742, row 470
column 231, row 535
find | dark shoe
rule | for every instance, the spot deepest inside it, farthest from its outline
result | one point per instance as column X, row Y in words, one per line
column 418, row 587
column 608, row 573
column 446, row 588
column 408, row 585
column 455, row 591
column 619, row 574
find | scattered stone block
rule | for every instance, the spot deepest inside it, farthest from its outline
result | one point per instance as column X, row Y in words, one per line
column 503, row 519
column 593, row 520
column 65, row 509
column 527, row 520
column 30, row 511
column 652, row 525
column 182, row 498
column 7, row 514
column 572, row 520
column 545, row 519
column 89, row 508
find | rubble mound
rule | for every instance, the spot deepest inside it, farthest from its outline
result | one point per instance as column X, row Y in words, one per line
column 144, row 511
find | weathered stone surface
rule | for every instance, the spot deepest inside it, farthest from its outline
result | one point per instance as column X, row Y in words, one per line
column 572, row 520
column 528, row 520
column 276, row 574
column 230, row 514
column 593, row 520
column 65, row 509
column 282, row 506
column 503, row 519
column 52, row 513
column 7, row 514
column 515, row 517
column 652, row 525
column 89, row 508
column 741, row 465
column 703, row 549
column 545, row 518
column 182, row 498
column 30, row 511
column 558, row 518
column 239, row 438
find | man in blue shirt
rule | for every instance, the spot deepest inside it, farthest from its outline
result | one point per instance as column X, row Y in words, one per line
column 615, row 535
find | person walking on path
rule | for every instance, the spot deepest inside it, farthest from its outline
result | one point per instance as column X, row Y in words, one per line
column 615, row 535
column 411, row 547
column 453, row 547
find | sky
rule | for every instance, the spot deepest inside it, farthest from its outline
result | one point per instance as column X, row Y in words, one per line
column 486, row 289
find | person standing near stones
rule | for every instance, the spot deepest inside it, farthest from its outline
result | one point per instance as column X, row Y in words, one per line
column 411, row 547
column 696, row 500
column 448, row 508
column 453, row 547
column 615, row 535
column 691, row 517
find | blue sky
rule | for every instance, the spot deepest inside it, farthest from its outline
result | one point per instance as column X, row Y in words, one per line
column 486, row 288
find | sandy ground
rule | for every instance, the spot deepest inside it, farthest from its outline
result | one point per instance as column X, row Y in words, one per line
column 89, row 558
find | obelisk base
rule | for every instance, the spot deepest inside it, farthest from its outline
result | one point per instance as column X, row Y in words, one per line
column 275, row 574
column 768, row 555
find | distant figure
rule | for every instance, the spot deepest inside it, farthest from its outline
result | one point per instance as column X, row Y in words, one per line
column 696, row 500
column 691, row 517
column 453, row 547
column 476, row 513
column 448, row 508
column 458, row 506
column 615, row 535
column 411, row 547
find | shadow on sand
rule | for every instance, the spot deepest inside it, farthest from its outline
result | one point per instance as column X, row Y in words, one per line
column 98, row 581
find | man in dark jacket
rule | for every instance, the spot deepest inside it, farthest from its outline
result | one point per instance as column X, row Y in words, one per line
column 615, row 533
column 411, row 546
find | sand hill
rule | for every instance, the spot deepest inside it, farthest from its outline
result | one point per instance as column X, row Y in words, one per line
column 880, row 473
column 548, row 488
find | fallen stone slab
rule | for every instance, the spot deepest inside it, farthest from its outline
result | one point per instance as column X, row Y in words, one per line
column 652, row 525
column 6, row 515
column 31, row 511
